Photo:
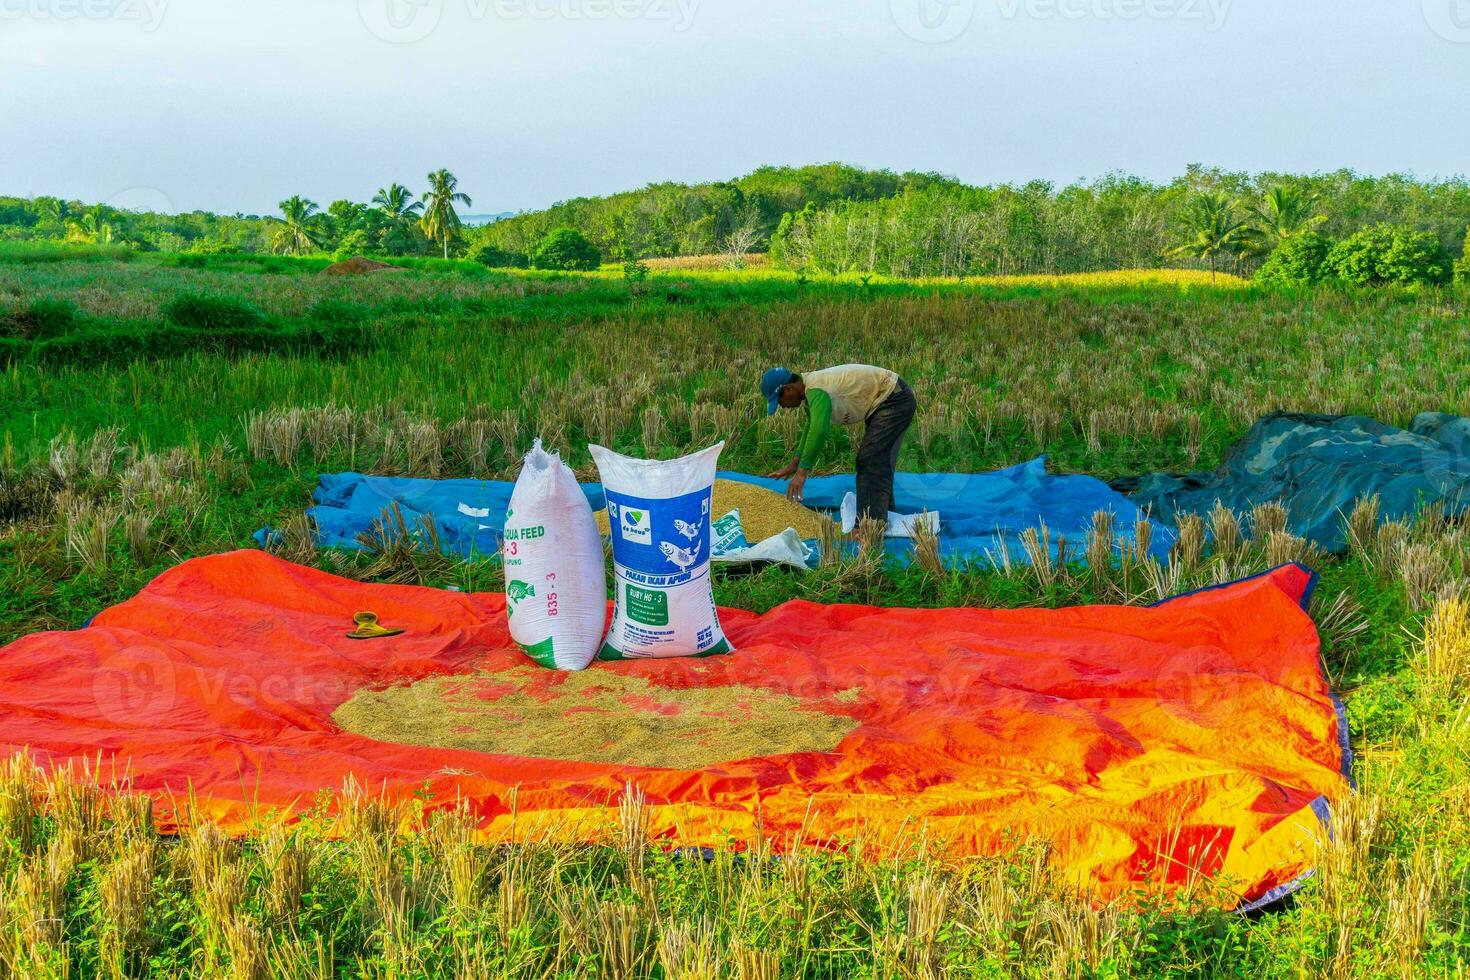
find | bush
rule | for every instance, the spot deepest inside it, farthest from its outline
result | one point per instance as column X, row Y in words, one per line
column 338, row 311
column 1297, row 261
column 1462, row 267
column 42, row 319
column 495, row 257
column 566, row 249
column 1385, row 254
column 129, row 342
column 203, row 312
column 354, row 243
column 13, row 350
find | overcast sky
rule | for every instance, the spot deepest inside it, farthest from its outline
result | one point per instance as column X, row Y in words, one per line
column 231, row 105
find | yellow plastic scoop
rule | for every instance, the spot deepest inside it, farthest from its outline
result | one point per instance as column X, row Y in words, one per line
column 368, row 628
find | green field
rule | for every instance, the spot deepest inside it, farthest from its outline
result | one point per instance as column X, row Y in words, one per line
column 114, row 467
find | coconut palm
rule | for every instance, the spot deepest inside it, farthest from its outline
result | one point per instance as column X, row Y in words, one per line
column 297, row 231
column 1287, row 211
column 440, row 220
column 50, row 208
column 1212, row 226
column 399, row 212
column 91, row 229
column 397, row 204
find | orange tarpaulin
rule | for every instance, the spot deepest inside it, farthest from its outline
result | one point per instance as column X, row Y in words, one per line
column 1195, row 738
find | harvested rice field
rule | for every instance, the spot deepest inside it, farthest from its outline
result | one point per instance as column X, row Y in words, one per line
column 604, row 714
column 114, row 472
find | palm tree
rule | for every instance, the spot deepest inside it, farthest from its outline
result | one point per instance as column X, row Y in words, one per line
column 400, row 211
column 297, row 232
column 1212, row 226
column 397, row 204
column 50, row 208
column 1287, row 211
column 440, row 221
column 91, row 229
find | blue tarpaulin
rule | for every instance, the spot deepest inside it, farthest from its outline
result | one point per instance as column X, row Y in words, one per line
column 1319, row 467
column 980, row 513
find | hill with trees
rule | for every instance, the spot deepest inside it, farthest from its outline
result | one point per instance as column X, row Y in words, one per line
column 837, row 219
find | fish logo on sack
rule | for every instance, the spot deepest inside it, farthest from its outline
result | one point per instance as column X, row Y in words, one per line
column 690, row 531
column 678, row 556
column 635, row 525
column 519, row 591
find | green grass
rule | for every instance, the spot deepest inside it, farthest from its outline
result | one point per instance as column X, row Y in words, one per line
column 465, row 365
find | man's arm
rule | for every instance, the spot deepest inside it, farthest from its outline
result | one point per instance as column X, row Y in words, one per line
column 818, row 427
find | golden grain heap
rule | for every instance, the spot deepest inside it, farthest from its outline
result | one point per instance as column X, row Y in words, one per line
column 599, row 715
column 763, row 512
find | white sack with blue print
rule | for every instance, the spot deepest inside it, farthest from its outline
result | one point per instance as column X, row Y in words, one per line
column 659, row 515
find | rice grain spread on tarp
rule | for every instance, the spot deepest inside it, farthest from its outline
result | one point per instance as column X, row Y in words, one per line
column 763, row 513
column 1197, row 740
column 598, row 716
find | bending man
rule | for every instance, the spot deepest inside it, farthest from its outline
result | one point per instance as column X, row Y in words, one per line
column 846, row 395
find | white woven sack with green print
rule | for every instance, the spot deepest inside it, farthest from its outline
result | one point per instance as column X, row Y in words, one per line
column 555, row 576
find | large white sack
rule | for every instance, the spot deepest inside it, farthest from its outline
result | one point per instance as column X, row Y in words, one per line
column 659, row 516
column 555, row 579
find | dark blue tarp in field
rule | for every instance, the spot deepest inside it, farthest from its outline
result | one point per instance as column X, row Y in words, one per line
column 1319, row 467
column 980, row 513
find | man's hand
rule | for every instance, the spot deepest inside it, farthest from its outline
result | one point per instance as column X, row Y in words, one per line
column 796, row 489
column 784, row 472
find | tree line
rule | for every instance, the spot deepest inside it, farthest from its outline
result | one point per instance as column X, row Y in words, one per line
column 836, row 219
column 1206, row 218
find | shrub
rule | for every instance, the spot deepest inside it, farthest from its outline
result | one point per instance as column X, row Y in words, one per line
column 1462, row 267
column 566, row 249
column 42, row 319
column 1297, row 261
column 13, row 350
column 495, row 257
column 1387, row 254
column 356, row 242
column 214, row 246
column 129, row 342
column 212, row 313
column 338, row 311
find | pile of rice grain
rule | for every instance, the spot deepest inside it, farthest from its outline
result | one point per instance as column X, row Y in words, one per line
column 763, row 512
column 598, row 715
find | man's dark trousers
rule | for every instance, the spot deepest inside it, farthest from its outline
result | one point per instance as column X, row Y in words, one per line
column 877, row 456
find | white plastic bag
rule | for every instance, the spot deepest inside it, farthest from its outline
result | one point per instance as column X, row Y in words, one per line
column 899, row 525
column 659, row 515
column 555, row 578
column 785, row 548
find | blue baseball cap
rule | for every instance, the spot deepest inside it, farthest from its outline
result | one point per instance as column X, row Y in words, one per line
column 771, row 384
